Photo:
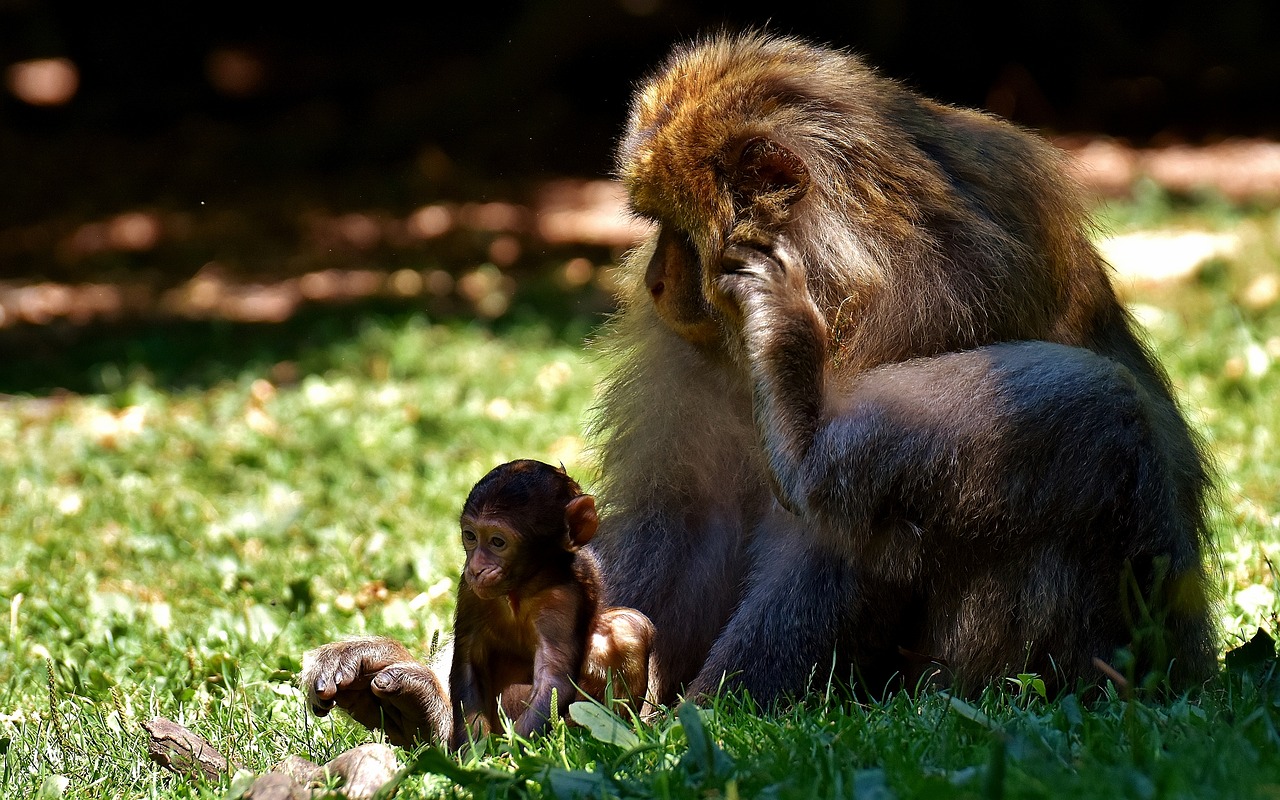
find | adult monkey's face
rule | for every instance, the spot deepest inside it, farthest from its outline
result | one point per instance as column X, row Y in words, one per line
column 674, row 278
column 707, row 162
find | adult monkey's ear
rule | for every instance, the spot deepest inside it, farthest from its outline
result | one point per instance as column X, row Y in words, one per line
column 765, row 171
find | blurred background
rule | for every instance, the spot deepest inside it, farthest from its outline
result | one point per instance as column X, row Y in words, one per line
column 239, row 163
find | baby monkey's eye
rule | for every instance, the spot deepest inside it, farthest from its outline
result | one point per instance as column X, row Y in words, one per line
column 497, row 543
column 468, row 535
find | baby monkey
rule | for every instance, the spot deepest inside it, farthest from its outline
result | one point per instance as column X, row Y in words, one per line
column 530, row 635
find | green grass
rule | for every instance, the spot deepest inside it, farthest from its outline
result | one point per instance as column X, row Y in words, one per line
column 179, row 532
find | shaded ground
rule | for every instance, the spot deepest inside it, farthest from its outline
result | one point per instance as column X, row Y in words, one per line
column 171, row 287
column 1241, row 170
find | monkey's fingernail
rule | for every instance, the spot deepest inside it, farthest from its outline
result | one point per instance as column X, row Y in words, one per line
column 385, row 681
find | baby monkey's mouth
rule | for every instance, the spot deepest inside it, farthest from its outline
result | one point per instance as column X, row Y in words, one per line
column 486, row 585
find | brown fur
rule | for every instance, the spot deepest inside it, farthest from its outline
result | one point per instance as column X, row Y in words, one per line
column 917, row 230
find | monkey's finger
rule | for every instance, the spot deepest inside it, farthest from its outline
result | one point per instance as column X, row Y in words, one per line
column 386, row 683
column 743, row 256
column 408, row 677
column 324, row 689
column 346, row 675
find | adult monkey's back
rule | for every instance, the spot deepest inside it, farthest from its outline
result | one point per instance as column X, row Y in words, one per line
column 797, row 466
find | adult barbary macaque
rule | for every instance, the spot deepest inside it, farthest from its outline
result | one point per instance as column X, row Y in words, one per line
column 875, row 397
column 530, row 635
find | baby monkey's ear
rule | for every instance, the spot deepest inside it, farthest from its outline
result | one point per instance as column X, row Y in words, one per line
column 580, row 516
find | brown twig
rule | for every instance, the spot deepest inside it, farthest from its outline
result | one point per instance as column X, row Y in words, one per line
column 1122, row 685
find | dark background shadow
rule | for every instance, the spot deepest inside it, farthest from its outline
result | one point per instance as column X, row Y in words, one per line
column 241, row 121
